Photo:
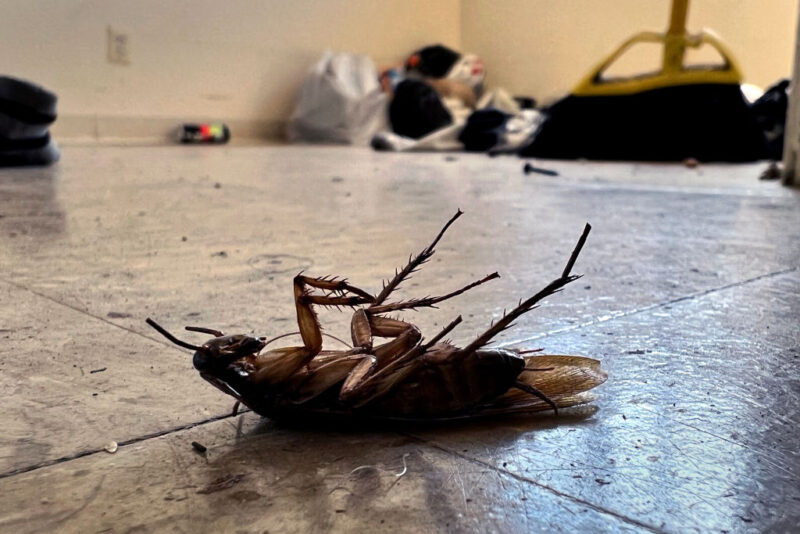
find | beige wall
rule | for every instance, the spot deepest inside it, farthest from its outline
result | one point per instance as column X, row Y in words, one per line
column 542, row 48
column 242, row 60
column 235, row 60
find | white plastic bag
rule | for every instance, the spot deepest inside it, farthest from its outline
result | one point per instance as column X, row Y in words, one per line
column 341, row 101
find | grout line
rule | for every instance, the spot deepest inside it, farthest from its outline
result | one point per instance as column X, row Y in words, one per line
column 744, row 445
column 751, row 192
column 616, row 315
column 545, row 487
column 84, row 312
column 131, row 441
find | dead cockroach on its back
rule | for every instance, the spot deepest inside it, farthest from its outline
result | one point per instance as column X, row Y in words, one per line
column 405, row 378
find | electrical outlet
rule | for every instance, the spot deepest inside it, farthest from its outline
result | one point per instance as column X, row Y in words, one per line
column 118, row 47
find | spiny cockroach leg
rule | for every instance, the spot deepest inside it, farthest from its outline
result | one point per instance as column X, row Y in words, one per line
column 333, row 284
column 235, row 410
column 428, row 301
column 508, row 318
column 334, row 301
column 525, row 306
column 414, row 262
column 527, row 388
column 576, row 251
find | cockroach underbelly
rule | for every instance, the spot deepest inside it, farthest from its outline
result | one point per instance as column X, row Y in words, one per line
column 439, row 389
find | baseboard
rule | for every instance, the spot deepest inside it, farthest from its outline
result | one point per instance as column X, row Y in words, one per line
column 69, row 129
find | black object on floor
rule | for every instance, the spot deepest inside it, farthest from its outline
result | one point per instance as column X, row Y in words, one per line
column 711, row 122
column 484, row 129
column 23, row 152
column 205, row 133
column 770, row 114
column 26, row 112
column 416, row 110
column 528, row 169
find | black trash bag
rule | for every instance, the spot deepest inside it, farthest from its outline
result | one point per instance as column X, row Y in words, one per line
column 484, row 129
column 416, row 110
column 770, row 114
column 710, row 122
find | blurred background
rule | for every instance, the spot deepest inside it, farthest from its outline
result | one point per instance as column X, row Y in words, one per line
column 136, row 69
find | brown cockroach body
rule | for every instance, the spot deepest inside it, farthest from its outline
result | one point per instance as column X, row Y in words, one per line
column 405, row 378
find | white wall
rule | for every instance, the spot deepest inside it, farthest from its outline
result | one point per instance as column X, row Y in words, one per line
column 234, row 60
column 542, row 48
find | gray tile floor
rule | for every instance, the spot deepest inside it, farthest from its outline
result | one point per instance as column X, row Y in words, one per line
column 691, row 299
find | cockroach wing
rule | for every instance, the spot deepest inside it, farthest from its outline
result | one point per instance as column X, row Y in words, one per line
column 563, row 379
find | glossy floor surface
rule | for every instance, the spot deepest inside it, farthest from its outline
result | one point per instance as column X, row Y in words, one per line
column 691, row 299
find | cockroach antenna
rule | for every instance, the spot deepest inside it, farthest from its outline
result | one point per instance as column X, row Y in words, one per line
column 203, row 330
column 169, row 336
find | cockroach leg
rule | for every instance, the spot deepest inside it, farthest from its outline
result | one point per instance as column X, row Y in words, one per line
column 576, row 251
column 428, row 301
column 278, row 365
column 235, row 410
column 368, row 382
column 338, row 285
column 525, row 306
column 414, row 263
column 281, row 336
column 307, row 320
column 527, row 388
column 406, row 335
column 364, row 327
column 360, row 330
column 324, row 377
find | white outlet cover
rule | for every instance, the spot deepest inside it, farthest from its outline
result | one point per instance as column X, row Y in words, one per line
column 118, row 47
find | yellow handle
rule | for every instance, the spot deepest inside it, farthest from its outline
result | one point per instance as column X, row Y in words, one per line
column 677, row 22
column 673, row 72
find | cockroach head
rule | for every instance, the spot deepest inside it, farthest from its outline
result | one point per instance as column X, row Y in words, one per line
column 217, row 352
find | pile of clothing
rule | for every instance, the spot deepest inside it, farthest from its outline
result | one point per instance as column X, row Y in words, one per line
column 438, row 102
column 26, row 113
column 434, row 101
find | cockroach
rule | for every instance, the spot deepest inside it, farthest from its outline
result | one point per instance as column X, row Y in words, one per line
column 404, row 378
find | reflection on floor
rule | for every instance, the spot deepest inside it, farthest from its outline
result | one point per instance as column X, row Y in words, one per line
column 690, row 298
